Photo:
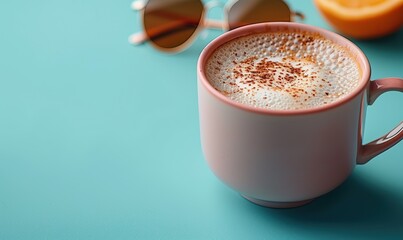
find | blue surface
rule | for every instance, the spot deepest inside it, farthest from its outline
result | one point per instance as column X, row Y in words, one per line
column 100, row 139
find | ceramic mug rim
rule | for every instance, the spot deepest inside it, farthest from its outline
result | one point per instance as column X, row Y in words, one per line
column 361, row 59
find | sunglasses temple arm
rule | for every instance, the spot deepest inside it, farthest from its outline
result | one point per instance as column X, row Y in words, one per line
column 138, row 5
column 138, row 38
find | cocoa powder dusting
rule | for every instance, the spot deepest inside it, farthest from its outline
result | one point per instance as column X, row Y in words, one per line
column 263, row 74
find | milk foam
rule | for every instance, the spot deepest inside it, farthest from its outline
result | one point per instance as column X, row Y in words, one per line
column 283, row 71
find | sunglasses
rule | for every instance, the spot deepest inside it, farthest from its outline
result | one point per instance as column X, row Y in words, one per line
column 171, row 25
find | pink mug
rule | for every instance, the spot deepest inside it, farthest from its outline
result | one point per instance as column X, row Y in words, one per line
column 284, row 158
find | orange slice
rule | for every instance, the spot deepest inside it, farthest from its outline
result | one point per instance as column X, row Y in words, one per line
column 363, row 19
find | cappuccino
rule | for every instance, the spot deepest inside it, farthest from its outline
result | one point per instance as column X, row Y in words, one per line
column 283, row 70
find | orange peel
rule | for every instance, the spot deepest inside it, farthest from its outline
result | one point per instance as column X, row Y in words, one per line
column 363, row 19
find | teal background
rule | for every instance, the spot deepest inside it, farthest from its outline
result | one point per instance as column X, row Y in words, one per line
column 100, row 139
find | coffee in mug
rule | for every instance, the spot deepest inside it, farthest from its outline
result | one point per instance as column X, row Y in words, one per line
column 283, row 70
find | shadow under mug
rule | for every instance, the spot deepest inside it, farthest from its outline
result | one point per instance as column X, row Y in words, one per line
column 284, row 158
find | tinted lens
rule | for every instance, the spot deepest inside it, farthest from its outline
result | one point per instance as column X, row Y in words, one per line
column 170, row 23
column 246, row 12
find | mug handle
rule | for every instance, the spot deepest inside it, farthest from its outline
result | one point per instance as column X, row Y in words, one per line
column 372, row 149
